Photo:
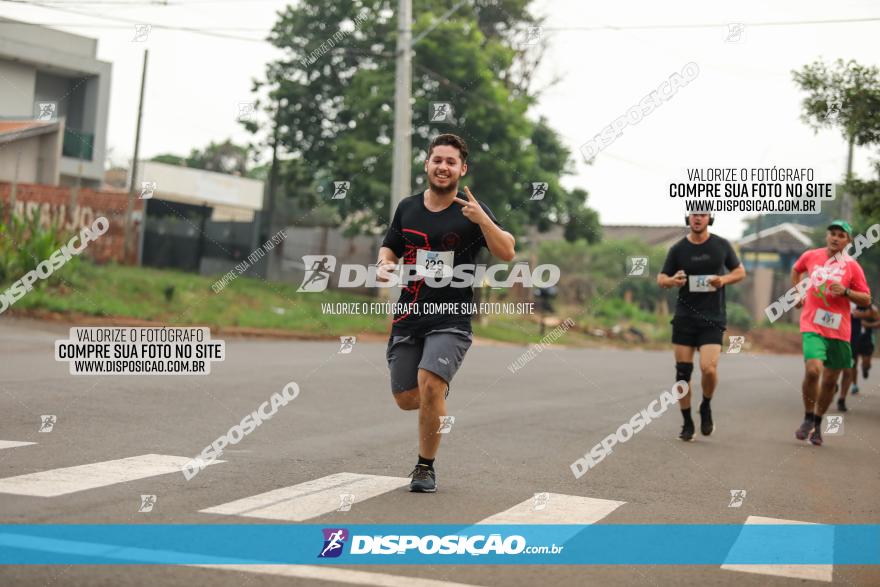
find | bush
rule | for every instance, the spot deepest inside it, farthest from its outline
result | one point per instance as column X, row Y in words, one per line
column 24, row 244
column 612, row 311
column 738, row 316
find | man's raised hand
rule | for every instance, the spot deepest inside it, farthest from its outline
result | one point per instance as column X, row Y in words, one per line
column 472, row 209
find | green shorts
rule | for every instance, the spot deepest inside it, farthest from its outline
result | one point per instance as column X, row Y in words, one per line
column 834, row 353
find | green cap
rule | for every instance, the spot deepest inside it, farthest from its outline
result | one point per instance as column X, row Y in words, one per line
column 842, row 225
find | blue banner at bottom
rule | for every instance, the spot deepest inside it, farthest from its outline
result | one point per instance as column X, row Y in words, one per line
column 602, row 544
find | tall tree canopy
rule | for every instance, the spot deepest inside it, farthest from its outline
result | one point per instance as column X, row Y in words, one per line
column 846, row 96
column 334, row 93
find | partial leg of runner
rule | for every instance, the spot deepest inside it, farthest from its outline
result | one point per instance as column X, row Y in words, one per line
column 432, row 406
column 848, row 379
column 684, row 368
column 829, row 380
column 408, row 400
column 432, row 400
column 810, row 391
column 709, row 354
column 866, row 366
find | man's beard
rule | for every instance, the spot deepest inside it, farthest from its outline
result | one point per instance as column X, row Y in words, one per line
column 452, row 188
column 700, row 231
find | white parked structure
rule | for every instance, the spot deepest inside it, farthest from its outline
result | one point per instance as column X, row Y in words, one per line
column 231, row 198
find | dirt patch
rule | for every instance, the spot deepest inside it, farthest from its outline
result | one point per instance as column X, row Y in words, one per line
column 768, row 340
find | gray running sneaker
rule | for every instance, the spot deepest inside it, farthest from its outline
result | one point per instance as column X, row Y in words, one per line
column 804, row 430
column 816, row 437
column 423, row 480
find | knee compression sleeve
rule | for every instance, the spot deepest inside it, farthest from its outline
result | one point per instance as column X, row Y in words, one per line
column 683, row 371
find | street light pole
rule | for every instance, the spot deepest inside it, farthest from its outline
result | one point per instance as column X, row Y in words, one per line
column 401, row 165
column 134, row 177
column 401, row 170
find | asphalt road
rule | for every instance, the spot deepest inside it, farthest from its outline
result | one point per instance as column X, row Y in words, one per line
column 514, row 435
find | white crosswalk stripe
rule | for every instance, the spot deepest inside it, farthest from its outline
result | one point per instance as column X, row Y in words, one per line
column 558, row 508
column 320, row 496
column 345, row 576
column 812, row 572
column 310, row 499
column 55, row 482
column 13, row 444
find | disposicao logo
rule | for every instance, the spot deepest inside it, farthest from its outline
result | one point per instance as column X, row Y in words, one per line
column 334, row 541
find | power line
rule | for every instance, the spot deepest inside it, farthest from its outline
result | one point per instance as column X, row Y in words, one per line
column 59, row 5
column 162, row 3
column 712, row 25
column 95, row 25
column 194, row 30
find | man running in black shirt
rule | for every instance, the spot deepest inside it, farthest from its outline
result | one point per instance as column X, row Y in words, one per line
column 863, row 320
column 695, row 265
column 435, row 231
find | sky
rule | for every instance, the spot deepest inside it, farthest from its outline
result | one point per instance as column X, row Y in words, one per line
column 742, row 109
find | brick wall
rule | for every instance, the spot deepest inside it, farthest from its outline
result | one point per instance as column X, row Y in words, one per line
column 56, row 205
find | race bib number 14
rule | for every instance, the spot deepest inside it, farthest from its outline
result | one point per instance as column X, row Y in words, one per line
column 699, row 283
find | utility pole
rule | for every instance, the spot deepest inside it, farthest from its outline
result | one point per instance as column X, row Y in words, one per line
column 269, row 218
column 846, row 203
column 133, row 175
column 401, row 166
column 401, row 172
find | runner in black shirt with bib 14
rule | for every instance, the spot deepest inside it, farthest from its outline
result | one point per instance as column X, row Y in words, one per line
column 696, row 265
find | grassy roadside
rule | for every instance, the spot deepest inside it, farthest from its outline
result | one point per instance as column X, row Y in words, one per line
column 175, row 297
column 253, row 304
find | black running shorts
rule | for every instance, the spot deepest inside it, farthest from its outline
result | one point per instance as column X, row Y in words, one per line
column 695, row 332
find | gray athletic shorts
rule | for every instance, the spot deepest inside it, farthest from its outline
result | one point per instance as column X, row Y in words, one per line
column 440, row 351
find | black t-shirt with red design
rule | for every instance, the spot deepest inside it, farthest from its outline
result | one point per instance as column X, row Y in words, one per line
column 414, row 227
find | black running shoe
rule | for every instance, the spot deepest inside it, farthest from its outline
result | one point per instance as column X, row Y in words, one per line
column 841, row 405
column 816, row 437
column 687, row 432
column 707, row 426
column 865, row 371
column 805, row 428
column 423, row 480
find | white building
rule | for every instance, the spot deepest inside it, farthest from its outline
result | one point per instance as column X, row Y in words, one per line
column 49, row 75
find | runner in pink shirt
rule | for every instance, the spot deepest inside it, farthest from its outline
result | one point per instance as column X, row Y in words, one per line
column 835, row 280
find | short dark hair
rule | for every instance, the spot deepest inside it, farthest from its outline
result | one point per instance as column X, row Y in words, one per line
column 452, row 141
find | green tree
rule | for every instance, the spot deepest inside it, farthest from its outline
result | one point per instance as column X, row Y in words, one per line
column 226, row 157
column 170, row 159
column 334, row 91
column 854, row 91
column 589, row 272
column 845, row 96
column 867, row 195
